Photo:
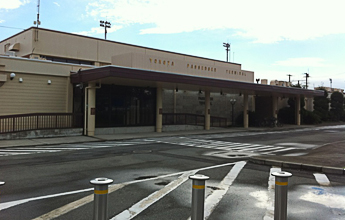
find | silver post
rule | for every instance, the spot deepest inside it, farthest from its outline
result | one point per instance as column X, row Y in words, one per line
column 281, row 190
column 198, row 196
column 101, row 198
column 2, row 183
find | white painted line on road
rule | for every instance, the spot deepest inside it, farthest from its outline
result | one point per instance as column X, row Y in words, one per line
column 52, row 148
column 137, row 208
column 12, row 154
column 17, row 150
column 7, row 205
column 322, row 179
column 74, row 205
column 284, row 149
column 270, row 148
column 250, row 147
column 271, row 187
column 217, row 195
column 237, row 146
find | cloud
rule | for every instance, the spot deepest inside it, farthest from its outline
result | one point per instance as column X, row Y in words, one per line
column 12, row 4
column 302, row 62
column 2, row 21
column 265, row 21
column 57, row 4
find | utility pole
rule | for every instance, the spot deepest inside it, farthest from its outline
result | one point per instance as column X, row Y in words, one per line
column 306, row 80
column 289, row 75
column 227, row 45
column 37, row 22
column 106, row 25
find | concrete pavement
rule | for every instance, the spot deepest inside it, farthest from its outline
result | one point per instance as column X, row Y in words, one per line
column 328, row 158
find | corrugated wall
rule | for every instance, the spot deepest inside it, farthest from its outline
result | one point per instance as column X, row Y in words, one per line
column 34, row 94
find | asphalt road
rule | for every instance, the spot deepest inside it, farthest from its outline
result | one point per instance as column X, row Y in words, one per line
column 151, row 178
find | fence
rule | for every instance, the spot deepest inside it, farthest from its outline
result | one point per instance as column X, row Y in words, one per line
column 191, row 119
column 36, row 121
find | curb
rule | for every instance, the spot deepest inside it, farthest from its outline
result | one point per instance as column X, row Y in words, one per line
column 49, row 144
column 298, row 166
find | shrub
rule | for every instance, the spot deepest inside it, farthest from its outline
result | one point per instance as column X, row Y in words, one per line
column 287, row 115
column 309, row 117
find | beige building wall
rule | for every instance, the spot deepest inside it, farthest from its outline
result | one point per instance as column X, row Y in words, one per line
column 34, row 94
column 102, row 52
column 184, row 65
column 23, row 39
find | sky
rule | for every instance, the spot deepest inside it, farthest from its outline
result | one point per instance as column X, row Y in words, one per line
column 273, row 38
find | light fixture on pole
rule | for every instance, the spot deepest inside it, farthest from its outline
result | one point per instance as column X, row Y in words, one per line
column 232, row 102
column 330, row 81
column 227, row 45
column 289, row 75
column 306, row 80
column 106, row 25
column 257, row 80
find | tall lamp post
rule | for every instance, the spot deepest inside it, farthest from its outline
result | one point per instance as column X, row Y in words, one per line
column 306, row 80
column 232, row 102
column 106, row 25
column 227, row 45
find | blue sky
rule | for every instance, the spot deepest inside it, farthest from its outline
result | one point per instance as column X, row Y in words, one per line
column 273, row 38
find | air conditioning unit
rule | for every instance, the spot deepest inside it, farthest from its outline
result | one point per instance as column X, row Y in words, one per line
column 35, row 57
column 10, row 53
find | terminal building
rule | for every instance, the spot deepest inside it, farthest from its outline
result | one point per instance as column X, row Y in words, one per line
column 52, row 79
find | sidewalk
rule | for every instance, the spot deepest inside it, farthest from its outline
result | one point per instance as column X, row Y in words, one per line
column 328, row 158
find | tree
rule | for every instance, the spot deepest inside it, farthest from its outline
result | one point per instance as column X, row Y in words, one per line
column 287, row 115
column 321, row 105
column 337, row 106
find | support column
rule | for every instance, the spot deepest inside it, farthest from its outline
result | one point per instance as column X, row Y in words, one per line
column 159, row 109
column 274, row 106
column 245, row 111
column 298, row 110
column 91, row 109
column 207, row 110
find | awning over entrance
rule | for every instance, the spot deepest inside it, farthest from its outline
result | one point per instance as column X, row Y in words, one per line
column 126, row 76
column 139, row 77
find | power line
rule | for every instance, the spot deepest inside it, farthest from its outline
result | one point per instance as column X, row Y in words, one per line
column 11, row 27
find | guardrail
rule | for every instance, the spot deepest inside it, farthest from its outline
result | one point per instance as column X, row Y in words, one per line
column 36, row 121
column 191, row 119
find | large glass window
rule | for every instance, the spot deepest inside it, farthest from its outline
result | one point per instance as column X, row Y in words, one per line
column 125, row 106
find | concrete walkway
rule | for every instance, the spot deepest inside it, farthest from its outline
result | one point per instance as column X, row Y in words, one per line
column 328, row 158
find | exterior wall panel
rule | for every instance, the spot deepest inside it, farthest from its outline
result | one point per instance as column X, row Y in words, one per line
column 33, row 95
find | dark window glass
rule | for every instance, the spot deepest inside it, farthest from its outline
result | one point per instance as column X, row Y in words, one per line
column 125, row 106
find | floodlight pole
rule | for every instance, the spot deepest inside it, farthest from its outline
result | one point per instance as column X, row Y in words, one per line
column 227, row 45
column 106, row 25
column 306, row 80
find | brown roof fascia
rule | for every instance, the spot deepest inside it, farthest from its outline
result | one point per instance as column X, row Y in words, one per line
column 132, row 45
column 138, row 74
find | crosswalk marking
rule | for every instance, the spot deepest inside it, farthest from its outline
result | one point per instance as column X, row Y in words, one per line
column 225, row 146
column 184, row 141
column 67, row 147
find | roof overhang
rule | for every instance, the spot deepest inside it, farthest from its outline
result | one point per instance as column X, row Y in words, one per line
column 119, row 75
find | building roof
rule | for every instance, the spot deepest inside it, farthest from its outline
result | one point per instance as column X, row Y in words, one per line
column 115, row 42
column 147, row 78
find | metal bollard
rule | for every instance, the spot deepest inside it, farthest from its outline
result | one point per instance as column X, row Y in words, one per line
column 281, row 190
column 198, row 196
column 2, row 183
column 100, row 211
